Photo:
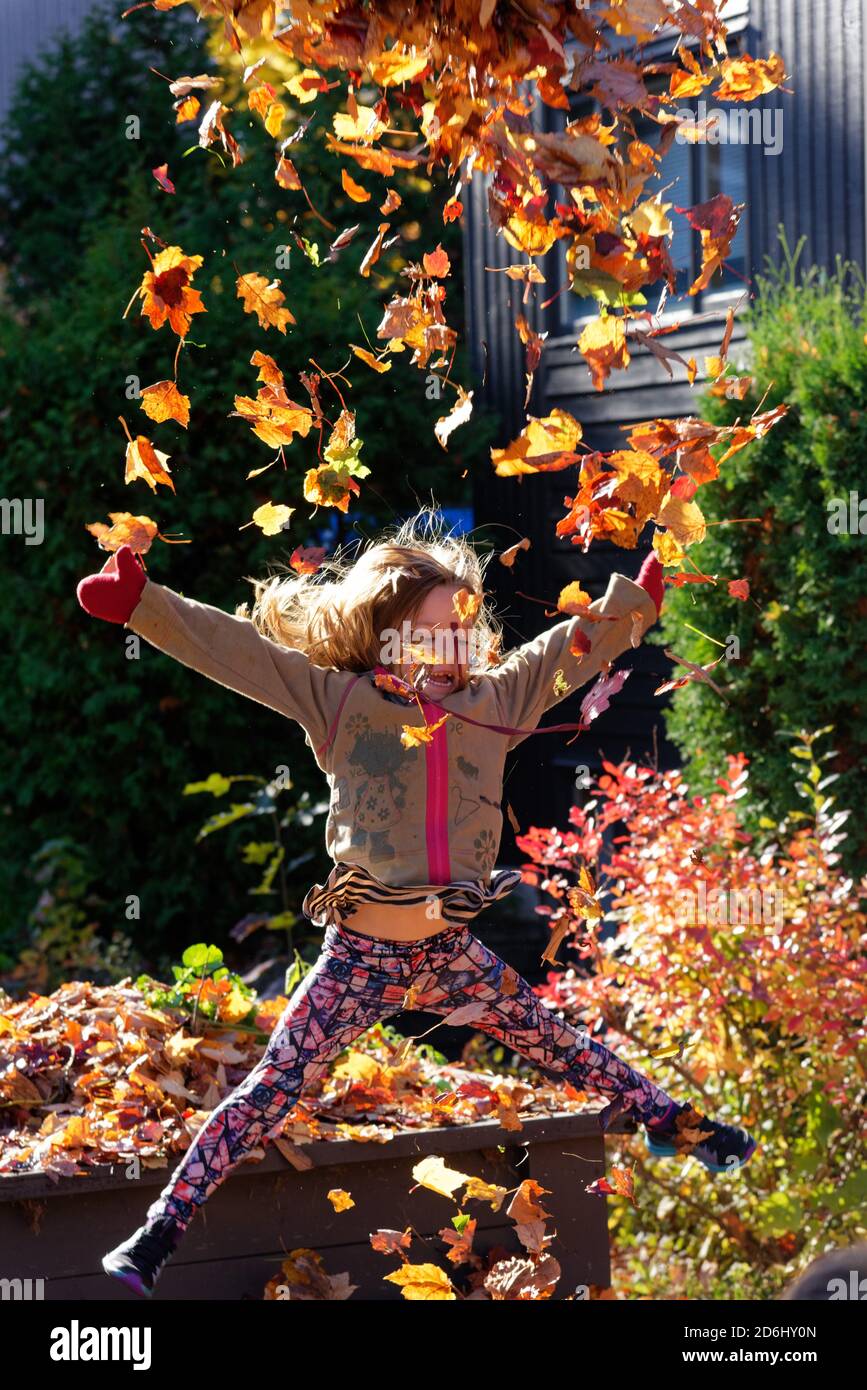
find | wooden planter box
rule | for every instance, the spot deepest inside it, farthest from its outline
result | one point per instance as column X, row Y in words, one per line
column 58, row 1231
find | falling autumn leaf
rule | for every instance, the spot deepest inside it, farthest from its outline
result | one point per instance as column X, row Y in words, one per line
column 596, row 702
column 163, row 401
column 696, row 673
column 458, row 415
column 372, row 254
column 573, row 598
column 580, row 644
column 271, row 518
column 353, row 189
column 683, row 519
column 416, row 736
column 340, row 1199
column 187, row 109
column 392, row 202
column 263, row 100
column 434, row 1173
column 264, row 299
column 213, row 131
column 307, row 561
column 166, row 291
column 507, row 557
column 327, row 487
column 391, row 1242
column 619, row 1183
column 138, row 532
column 376, row 363
column 306, row 85
column 436, row 263
column 146, row 462
column 161, row 174
column 466, row 605
column 603, row 343
column 546, row 443
column 425, row 1283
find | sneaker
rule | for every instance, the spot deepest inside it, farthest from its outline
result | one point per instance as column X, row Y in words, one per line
column 686, row 1131
column 138, row 1261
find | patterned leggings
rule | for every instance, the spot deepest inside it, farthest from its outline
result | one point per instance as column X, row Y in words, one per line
column 358, row 980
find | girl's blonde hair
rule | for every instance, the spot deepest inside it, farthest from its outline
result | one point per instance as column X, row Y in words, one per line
column 339, row 615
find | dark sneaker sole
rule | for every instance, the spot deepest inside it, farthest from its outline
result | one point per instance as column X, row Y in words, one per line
column 661, row 1149
column 128, row 1276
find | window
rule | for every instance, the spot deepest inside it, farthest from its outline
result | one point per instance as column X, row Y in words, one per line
column 689, row 174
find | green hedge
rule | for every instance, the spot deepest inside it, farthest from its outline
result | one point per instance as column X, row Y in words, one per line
column 803, row 632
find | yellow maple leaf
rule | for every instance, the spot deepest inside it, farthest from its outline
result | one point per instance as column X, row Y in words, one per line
column 271, row 517
column 413, row 736
column 683, row 519
column 163, row 401
column 340, row 1199
column 573, row 598
column 423, row 1283
column 264, row 299
column 432, row 1172
column 546, row 443
column 144, row 461
column 603, row 343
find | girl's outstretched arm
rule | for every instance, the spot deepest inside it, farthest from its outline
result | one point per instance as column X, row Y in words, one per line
column 228, row 649
column 527, row 683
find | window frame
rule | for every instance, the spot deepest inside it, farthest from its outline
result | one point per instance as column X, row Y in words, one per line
column 684, row 308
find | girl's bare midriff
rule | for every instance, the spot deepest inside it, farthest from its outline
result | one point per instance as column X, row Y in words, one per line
column 395, row 922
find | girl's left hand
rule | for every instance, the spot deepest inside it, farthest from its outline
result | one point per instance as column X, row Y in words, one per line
column 650, row 578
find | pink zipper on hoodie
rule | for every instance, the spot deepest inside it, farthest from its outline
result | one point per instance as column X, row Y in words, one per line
column 437, row 770
column 437, row 801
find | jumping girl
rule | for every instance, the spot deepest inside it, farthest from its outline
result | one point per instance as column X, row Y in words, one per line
column 413, row 830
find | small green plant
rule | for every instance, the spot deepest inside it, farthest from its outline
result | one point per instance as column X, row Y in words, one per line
column 203, row 986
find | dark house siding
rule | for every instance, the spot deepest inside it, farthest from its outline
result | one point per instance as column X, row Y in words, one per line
column 814, row 186
column 26, row 28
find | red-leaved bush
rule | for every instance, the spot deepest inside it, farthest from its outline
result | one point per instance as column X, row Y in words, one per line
column 735, row 973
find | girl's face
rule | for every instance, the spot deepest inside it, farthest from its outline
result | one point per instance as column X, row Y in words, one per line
column 443, row 643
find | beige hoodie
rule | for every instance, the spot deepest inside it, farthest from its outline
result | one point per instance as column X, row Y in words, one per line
column 425, row 815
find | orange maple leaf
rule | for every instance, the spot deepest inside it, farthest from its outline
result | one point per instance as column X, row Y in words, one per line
column 264, row 299
column 166, row 291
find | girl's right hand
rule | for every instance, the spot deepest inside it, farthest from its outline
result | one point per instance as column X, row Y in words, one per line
column 114, row 593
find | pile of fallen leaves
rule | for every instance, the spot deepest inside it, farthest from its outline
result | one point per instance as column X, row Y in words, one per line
column 90, row 1075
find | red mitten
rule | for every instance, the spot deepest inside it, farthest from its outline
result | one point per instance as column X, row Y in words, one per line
column 115, row 591
column 650, row 578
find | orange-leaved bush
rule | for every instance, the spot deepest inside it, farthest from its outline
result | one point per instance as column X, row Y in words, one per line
column 736, row 975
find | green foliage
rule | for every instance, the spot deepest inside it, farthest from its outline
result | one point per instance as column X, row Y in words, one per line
column 63, row 940
column 229, row 999
column 803, row 632
column 93, row 737
column 268, row 854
